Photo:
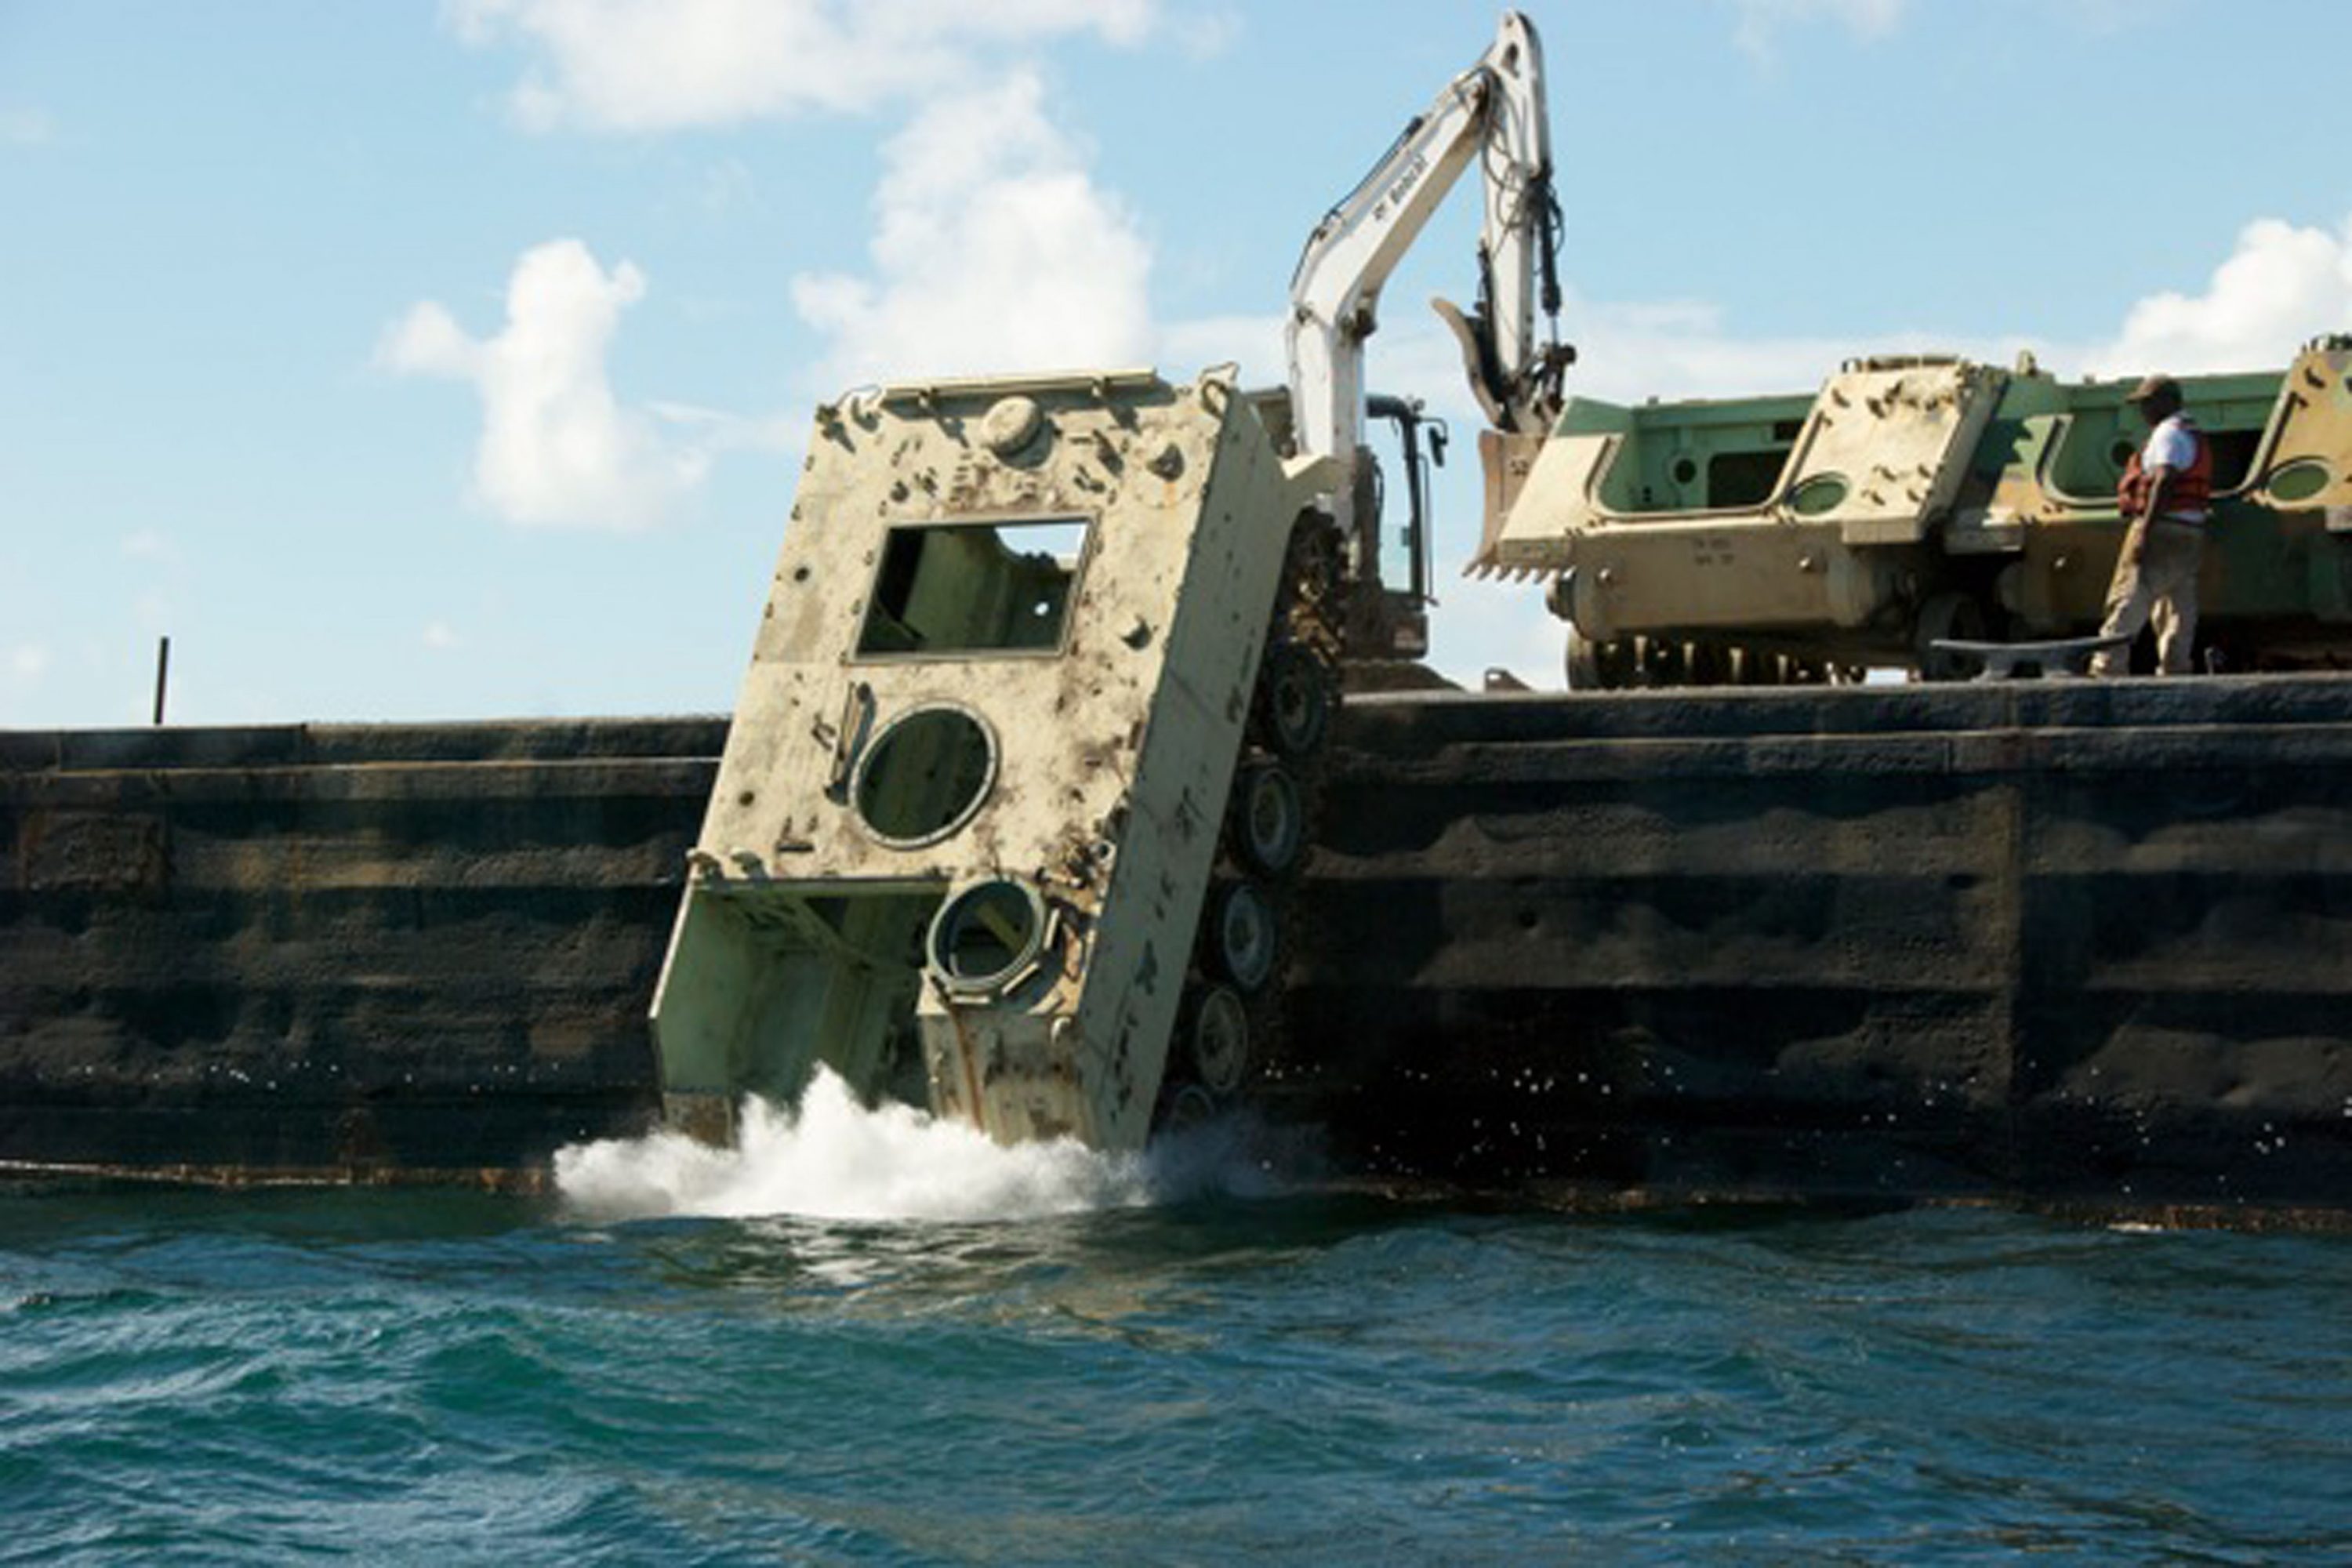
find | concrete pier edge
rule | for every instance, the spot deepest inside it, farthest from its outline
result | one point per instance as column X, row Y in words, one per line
column 2076, row 946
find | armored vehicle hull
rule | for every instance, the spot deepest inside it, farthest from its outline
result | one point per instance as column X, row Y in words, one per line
column 1913, row 501
column 967, row 828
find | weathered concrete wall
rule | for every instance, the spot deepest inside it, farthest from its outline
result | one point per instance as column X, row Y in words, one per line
column 336, row 950
column 2065, row 940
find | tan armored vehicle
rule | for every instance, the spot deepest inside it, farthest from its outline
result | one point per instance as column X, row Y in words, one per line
column 1024, row 759
column 1913, row 501
column 964, row 834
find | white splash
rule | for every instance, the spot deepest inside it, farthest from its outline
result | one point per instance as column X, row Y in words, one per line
column 832, row 1158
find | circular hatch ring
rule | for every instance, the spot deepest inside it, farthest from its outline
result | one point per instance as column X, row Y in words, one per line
column 924, row 775
column 986, row 936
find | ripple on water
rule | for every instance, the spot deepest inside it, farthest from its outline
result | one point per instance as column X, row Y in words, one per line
column 1294, row 1377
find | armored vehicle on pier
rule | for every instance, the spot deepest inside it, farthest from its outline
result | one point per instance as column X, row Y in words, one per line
column 1912, row 501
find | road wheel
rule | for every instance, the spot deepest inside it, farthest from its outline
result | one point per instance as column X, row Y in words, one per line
column 1244, row 935
column 1294, row 700
column 1216, row 1038
column 1268, row 822
column 1188, row 1108
column 1947, row 616
column 1583, row 663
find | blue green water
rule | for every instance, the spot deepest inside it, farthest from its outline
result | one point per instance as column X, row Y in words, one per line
column 1306, row 1378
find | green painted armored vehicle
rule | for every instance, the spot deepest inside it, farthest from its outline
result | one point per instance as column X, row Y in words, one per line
column 1913, row 501
column 1018, row 774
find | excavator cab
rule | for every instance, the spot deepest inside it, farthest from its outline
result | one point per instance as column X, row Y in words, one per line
column 1391, row 618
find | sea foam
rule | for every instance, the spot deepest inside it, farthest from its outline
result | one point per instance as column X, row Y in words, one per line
column 831, row 1158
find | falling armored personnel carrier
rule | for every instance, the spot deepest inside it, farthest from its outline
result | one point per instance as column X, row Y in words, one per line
column 970, row 844
column 1913, row 501
column 1024, row 762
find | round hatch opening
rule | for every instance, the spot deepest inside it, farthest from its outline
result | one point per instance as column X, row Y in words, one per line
column 986, row 936
column 2299, row 481
column 1822, row 493
column 924, row 775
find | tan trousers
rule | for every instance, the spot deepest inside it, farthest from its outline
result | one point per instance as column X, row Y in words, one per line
column 2161, row 590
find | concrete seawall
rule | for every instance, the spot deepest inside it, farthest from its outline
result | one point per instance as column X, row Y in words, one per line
column 2065, row 940
column 2068, row 943
column 411, row 950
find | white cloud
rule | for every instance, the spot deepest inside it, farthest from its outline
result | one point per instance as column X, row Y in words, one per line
column 993, row 251
column 27, row 662
column 429, row 342
column 439, row 635
column 994, row 248
column 149, row 545
column 557, row 447
column 654, row 65
column 2279, row 288
column 1758, row 24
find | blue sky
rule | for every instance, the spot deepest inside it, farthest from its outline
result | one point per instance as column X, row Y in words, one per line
column 414, row 361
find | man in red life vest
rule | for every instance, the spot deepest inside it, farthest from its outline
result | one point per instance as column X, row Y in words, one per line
column 2166, row 498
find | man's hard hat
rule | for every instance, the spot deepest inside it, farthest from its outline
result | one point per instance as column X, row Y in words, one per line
column 2155, row 388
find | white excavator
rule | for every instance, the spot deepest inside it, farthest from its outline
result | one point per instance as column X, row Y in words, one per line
column 1494, row 115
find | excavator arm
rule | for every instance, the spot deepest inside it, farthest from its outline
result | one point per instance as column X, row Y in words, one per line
column 1492, row 114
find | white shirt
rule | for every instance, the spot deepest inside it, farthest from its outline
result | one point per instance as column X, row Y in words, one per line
column 2171, row 445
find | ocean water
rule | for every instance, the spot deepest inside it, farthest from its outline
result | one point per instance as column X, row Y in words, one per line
column 868, row 1339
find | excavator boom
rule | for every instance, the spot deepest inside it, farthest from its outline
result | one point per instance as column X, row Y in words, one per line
column 1494, row 113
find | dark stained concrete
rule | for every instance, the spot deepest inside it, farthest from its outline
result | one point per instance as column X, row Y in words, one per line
column 422, row 951
column 2063, row 942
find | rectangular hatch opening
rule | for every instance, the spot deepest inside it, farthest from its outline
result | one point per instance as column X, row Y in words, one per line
column 958, row 588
